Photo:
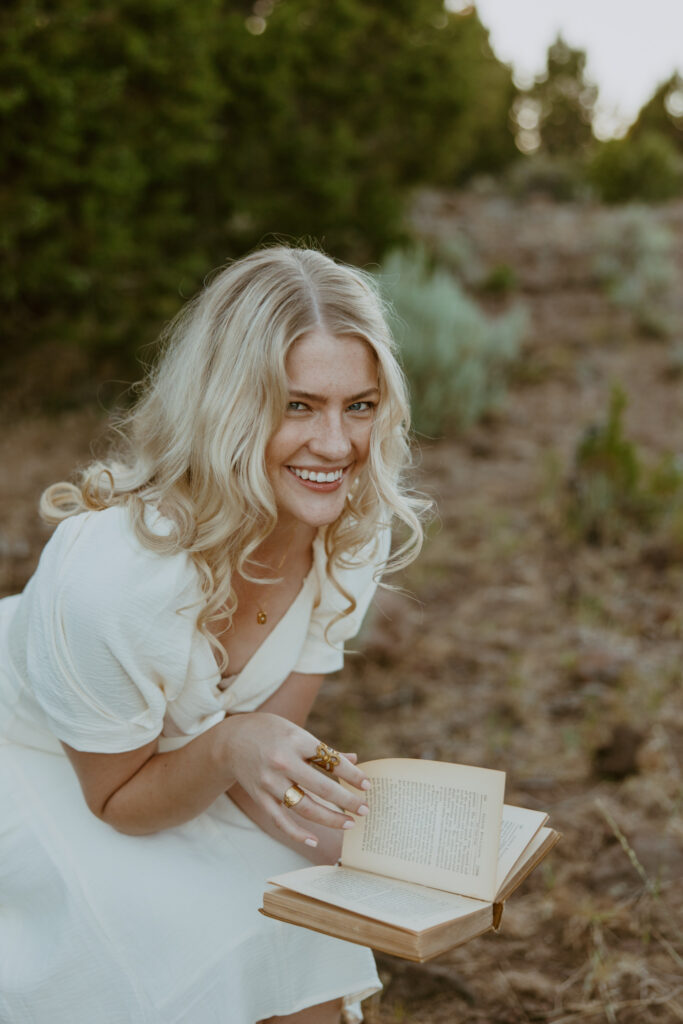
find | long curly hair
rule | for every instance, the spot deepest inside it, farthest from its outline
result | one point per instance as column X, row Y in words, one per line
column 193, row 445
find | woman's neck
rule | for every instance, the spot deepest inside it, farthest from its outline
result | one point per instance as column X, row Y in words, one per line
column 287, row 543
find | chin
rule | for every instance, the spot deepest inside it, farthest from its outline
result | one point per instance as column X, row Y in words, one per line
column 308, row 515
column 312, row 510
column 322, row 518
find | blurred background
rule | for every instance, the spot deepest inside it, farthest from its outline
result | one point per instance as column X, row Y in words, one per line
column 513, row 175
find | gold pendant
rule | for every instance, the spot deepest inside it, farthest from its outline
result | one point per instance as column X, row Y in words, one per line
column 261, row 617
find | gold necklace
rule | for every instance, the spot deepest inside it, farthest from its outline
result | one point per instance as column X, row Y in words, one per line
column 261, row 615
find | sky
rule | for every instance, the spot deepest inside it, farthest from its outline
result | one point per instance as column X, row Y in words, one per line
column 632, row 46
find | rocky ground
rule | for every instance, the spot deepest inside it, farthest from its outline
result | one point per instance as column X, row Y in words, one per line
column 514, row 644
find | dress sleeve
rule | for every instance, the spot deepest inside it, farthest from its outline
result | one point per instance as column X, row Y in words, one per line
column 110, row 633
column 323, row 649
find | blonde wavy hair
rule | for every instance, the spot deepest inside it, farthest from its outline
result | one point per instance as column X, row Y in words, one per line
column 194, row 443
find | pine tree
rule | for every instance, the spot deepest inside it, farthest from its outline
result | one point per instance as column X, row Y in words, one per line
column 565, row 101
column 663, row 113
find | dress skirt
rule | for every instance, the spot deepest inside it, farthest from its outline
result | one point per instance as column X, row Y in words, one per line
column 96, row 926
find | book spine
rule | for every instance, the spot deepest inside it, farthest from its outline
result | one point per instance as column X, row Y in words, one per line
column 497, row 915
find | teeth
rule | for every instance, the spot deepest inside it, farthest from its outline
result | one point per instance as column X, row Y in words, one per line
column 318, row 478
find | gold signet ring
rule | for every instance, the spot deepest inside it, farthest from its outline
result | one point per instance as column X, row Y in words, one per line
column 325, row 757
column 293, row 795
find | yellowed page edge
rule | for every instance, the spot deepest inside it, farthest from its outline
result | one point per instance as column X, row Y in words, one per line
column 406, row 905
column 519, row 826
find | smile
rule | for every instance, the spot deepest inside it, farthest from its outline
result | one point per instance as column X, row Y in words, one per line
column 317, row 477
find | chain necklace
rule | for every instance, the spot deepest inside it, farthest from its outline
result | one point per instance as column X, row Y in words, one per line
column 261, row 614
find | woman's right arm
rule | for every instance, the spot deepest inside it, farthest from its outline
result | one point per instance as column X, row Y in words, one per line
column 143, row 790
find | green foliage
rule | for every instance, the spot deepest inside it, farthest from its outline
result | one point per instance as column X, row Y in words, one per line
column 108, row 116
column 455, row 252
column 500, row 280
column 455, row 357
column 647, row 166
column 334, row 111
column 565, row 101
column 663, row 114
column 610, row 492
column 633, row 260
column 143, row 144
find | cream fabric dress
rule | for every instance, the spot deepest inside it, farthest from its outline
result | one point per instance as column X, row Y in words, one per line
column 101, row 650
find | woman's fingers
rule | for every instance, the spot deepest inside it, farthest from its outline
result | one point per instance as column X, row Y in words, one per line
column 283, row 819
column 311, row 810
column 319, row 784
column 340, row 766
column 343, row 803
column 269, row 755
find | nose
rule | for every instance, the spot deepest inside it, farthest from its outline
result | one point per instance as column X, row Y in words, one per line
column 331, row 440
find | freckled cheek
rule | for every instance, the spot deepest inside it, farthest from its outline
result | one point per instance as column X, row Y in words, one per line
column 361, row 444
column 283, row 447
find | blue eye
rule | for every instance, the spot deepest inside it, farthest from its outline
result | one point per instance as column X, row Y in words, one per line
column 361, row 406
column 296, row 406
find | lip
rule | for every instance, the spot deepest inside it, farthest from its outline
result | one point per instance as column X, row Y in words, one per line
column 313, row 485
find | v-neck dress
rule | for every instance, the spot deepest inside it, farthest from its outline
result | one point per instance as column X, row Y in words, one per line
column 102, row 651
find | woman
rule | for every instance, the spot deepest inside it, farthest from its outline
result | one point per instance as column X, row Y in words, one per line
column 199, row 584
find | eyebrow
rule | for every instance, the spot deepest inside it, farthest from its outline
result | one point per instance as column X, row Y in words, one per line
column 321, row 398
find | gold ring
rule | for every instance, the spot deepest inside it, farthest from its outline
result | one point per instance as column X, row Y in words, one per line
column 325, row 757
column 293, row 795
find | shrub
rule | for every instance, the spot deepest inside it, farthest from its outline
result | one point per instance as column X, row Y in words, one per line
column 558, row 178
column 648, row 168
column 500, row 280
column 633, row 260
column 457, row 254
column 456, row 358
column 609, row 489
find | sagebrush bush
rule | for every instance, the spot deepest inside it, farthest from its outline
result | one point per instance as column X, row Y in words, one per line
column 611, row 491
column 456, row 357
column 456, row 253
column 633, row 261
column 558, row 178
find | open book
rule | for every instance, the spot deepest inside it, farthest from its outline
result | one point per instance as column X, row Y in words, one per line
column 427, row 869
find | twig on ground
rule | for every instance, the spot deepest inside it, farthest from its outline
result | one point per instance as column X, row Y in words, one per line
column 516, row 998
column 650, row 886
column 585, row 1010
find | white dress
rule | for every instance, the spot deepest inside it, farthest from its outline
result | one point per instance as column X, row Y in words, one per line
column 96, row 927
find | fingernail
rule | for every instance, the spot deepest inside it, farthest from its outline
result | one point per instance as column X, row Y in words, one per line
column 366, row 784
column 348, row 824
column 363, row 809
column 311, row 842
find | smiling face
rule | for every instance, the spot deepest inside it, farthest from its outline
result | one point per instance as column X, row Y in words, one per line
column 323, row 441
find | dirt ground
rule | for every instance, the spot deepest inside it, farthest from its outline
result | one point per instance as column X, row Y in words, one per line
column 514, row 645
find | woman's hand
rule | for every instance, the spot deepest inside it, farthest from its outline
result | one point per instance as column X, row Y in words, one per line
column 268, row 754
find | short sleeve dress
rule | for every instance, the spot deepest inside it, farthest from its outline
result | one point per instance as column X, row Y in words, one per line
column 102, row 651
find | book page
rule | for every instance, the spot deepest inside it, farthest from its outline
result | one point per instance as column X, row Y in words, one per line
column 520, row 868
column 404, row 904
column 430, row 822
column 518, row 828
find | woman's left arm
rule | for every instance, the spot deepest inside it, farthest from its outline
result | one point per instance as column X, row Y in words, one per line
column 293, row 700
